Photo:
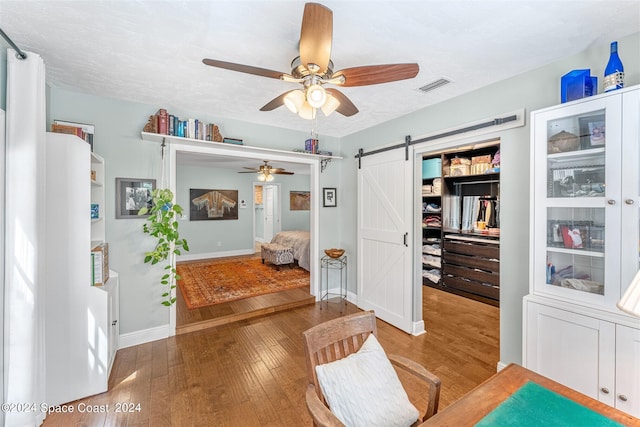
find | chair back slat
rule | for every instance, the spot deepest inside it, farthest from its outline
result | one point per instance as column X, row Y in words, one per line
column 341, row 337
column 336, row 339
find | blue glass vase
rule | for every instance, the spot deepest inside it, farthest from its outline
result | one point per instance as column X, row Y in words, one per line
column 614, row 71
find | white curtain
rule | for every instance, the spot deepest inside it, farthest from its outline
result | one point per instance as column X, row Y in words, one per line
column 24, row 306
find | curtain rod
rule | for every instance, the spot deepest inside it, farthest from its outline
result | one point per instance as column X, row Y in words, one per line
column 20, row 54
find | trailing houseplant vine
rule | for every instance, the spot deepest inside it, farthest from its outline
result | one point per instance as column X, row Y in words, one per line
column 162, row 223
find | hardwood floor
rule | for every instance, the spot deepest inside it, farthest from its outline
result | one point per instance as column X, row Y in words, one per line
column 252, row 372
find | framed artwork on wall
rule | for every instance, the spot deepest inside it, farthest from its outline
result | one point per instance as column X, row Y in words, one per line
column 208, row 204
column 299, row 200
column 329, row 198
column 132, row 194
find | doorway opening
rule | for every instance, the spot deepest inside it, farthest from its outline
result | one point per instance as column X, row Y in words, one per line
column 267, row 211
column 203, row 158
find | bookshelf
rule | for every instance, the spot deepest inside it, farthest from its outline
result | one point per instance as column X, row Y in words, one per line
column 81, row 320
column 234, row 149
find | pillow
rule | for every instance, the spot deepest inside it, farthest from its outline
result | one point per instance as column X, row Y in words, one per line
column 363, row 389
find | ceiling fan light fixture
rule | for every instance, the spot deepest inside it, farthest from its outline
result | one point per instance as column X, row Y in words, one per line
column 330, row 105
column 307, row 111
column 294, row 100
column 316, row 96
column 265, row 176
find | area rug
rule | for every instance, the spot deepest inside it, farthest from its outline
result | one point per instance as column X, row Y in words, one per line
column 217, row 281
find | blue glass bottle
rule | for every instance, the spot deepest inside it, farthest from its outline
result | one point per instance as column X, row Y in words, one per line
column 614, row 71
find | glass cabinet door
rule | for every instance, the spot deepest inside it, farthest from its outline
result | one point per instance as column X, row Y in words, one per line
column 577, row 186
column 630, row 196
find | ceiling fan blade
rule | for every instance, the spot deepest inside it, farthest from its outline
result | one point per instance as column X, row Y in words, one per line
column 281, row 173
column 346, row 107
column 248, row 69
column 316, row 36
column 254, row 171
column 275, row 102
column 376, row 74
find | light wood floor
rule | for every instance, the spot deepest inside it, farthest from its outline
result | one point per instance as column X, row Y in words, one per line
column 252, row 372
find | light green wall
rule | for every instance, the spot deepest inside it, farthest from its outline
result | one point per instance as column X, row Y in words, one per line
column 533, row 90
column 204, row 236
column 233, row 235
column 117, row 139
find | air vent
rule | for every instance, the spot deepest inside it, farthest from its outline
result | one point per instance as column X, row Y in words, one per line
column 434, row 85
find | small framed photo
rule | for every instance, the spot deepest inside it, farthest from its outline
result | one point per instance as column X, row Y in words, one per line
column 329, row 198
column 592, row 132
column 132, row 194
column 575, row 236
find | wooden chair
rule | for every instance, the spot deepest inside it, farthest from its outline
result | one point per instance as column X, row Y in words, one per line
column 340, row 337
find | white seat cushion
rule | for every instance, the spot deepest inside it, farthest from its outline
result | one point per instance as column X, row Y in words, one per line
column 363, row 389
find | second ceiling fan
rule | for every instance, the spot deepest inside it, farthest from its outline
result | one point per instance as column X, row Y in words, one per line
column 314, row 69
column 265, row 172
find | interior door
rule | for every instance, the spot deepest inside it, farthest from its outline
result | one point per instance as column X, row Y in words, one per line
column 384, row 243
column 271, row 211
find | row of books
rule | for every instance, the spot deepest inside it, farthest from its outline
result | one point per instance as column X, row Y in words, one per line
column 168, row 124
column 81, row 130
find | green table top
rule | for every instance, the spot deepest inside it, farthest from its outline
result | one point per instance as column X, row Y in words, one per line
column 534, row 405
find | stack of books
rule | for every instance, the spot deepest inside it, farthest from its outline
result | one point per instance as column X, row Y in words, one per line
column 164, row 123
column 81, row 130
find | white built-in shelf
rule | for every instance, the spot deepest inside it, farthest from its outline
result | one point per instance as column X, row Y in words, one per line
column 232, row 148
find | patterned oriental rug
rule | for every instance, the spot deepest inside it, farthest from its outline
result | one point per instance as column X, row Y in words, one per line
column 217, row 281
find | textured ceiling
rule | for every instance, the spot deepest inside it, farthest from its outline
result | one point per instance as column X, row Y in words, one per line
column 151, row 51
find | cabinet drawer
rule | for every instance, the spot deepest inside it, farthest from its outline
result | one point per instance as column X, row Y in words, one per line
column 474, row 249
column 472, row 274
column 489, row 265
column 473, row 287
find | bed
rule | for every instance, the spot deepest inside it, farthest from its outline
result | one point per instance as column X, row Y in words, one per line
column 300, row 242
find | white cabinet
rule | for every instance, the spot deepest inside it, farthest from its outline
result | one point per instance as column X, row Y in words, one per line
column 79, row 345
column 595, row 355
column 585, row 230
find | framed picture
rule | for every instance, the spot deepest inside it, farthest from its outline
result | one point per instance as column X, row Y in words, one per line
column 208, row 204
column 575, row 236
column 329, row 198
column 299, row 200
column 132, row 194
column 592, row 132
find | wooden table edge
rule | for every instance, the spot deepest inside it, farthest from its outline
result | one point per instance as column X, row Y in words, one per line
column 483, row 399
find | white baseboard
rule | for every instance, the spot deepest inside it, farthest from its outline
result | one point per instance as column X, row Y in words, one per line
column 418, row 328
column 501, row 366
column 196, row 257
column 145, row 336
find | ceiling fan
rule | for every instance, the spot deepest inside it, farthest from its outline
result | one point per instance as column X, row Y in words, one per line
column 265, row 172
column 314, row 69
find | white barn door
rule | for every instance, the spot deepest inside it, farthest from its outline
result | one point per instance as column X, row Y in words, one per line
column 384, row 237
